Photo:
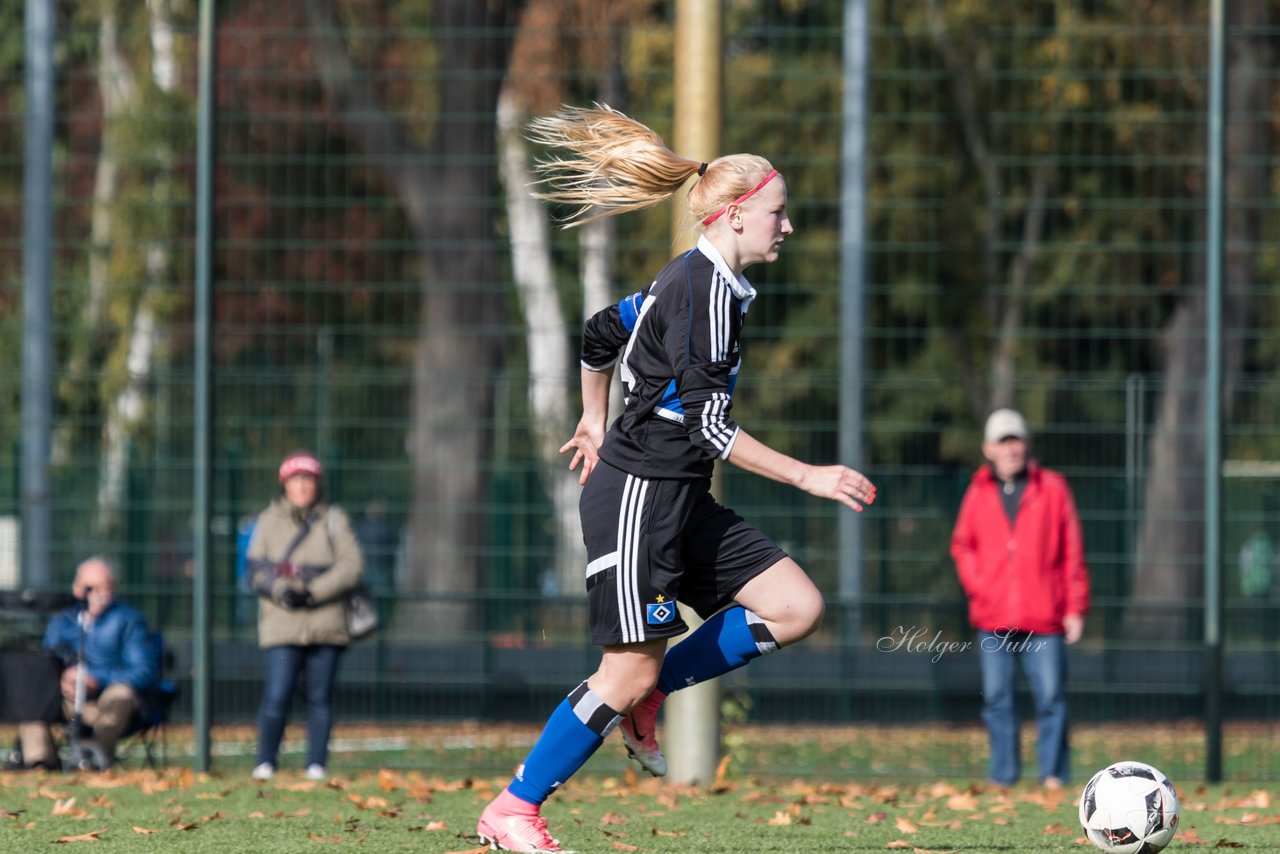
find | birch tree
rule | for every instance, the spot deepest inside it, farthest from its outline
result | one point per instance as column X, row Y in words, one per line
column 155, row 172
column 544, row 43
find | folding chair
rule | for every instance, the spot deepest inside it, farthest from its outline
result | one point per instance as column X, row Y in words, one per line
column 148, row 726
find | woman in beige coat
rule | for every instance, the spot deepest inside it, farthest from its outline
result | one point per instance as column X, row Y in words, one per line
column 303, row 559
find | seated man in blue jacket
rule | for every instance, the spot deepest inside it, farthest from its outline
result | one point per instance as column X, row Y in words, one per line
column 118, row 656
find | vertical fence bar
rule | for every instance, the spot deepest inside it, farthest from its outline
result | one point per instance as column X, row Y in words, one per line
column 203, row 415
column 37, row 295
column 1213, row 397
column 853, row 287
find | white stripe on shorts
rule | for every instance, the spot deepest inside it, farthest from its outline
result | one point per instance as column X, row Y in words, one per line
column 602, row 563
column 630, row 616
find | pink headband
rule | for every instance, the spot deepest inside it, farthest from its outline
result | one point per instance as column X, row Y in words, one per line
column 748, row 194
column 300, row 464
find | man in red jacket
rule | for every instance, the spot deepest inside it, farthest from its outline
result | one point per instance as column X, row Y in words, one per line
column 1020, row 557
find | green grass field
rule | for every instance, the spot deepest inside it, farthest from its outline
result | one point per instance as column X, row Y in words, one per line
column 401, row 808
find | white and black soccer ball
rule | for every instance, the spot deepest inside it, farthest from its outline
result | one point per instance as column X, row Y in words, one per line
column 1129, row 808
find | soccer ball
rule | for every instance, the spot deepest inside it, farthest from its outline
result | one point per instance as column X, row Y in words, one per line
column 1129, row 808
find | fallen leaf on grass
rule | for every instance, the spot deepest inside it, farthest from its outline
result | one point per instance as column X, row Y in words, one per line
column 905, row 826
column 1057, row 828
column 963, row 802
column 613, row 818
column 780, row 819
column 101, row 801
column 420, row 790
column 1247, row 818
column 388, row 781
column 1259, row 798
column 722, row 771
column 1190, row 837
column 1227, row 843
column 91, row 836
column 899, row 843
column 657, row 832
column 137, row 829
column 483, row 849
column 66, row 807
column 877, row 817
column 153, row 785
column 622, row 846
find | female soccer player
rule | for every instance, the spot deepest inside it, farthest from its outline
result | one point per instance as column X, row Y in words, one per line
column 653, row 532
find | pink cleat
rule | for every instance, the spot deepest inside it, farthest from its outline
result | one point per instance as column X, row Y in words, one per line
column 640, row 734
column 510, row 824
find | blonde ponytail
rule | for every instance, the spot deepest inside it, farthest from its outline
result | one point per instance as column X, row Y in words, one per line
column 613, row 164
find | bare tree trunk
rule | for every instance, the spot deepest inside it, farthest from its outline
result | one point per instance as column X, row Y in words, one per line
column 164, row 62
column 975, row 142
column 1004, row 355
column 127, row 410
column 445, row 190
column 1171, row 543
column 546, row 338
column 116, row 85
column 1001, row 373
column 1169, row 561
column 597, row 238
column 123, row 418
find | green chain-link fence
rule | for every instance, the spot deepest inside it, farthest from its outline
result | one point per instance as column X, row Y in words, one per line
column 1035, row 235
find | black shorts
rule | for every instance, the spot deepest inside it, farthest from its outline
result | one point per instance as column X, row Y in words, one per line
column 653, row 542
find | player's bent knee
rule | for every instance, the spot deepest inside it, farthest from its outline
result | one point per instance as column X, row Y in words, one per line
column 811, row 617
column 624, row 681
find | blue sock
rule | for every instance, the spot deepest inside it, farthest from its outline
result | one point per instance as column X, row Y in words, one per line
column 575, row 730
column 725, row 642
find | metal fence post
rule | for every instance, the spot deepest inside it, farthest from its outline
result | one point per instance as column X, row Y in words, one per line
column 201, row 660
column 1213, row 397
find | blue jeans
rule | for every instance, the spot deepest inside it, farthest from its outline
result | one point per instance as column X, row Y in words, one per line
column 281, row 666
column 1043, row 659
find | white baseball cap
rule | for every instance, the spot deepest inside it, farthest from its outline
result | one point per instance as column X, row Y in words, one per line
column 1004, row 424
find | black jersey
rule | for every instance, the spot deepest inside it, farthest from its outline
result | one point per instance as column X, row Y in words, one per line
column 679, row 347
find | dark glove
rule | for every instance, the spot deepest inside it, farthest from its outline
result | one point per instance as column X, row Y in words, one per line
column 288, row 593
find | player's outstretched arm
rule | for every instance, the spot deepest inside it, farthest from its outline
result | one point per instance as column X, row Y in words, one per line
column 839, row 483
column 589, row 434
